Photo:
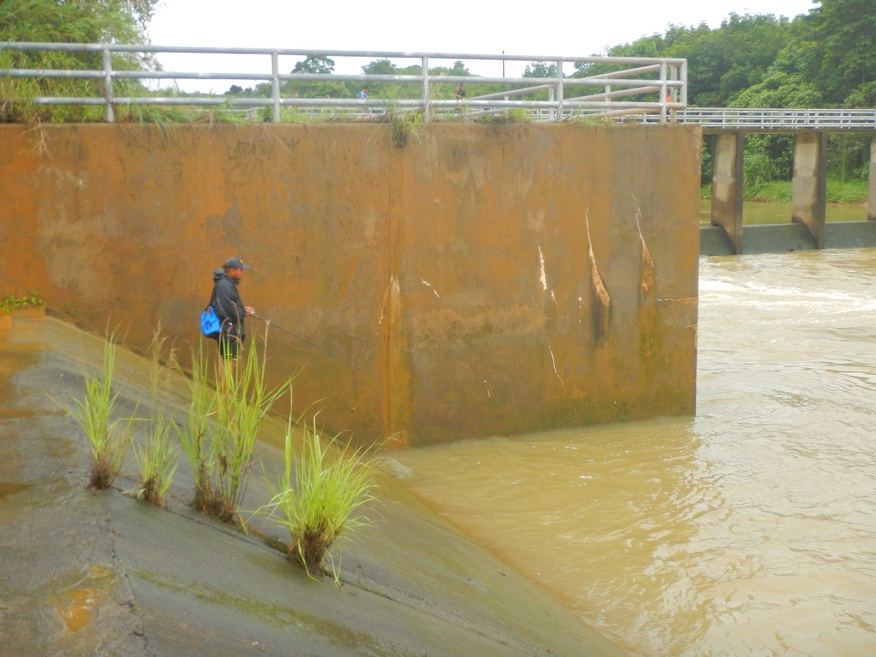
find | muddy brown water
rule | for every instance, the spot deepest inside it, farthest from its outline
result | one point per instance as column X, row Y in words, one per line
column 747, row 530
column 774, row 212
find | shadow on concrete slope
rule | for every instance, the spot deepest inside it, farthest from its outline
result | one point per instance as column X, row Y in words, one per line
column 99, row 573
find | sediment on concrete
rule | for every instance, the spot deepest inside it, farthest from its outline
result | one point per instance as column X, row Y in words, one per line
column 85, row 573
column 481, row 280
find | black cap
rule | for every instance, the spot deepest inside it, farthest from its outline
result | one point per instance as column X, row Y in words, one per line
column 235, row 263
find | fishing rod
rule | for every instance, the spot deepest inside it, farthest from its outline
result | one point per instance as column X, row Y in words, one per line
column 305, row 341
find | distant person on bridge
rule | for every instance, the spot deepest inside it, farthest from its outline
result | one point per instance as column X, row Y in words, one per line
column 670, row 113
column 363, row 94
column 229, row 308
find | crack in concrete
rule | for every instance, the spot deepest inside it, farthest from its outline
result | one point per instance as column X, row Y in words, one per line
column 139, row 629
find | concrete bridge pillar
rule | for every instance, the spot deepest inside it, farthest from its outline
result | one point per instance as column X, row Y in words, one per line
column 871, row 198
column 727, row 187
column 808, row 190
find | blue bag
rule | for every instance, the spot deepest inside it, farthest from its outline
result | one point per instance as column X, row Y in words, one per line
column 210, row 323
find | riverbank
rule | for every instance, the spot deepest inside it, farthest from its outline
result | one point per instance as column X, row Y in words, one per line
column 842, row 192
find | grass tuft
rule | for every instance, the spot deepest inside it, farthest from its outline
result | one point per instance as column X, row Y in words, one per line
column 156, row 458
column 194, row 438
column 514, row 115
column 224, row 456
column 404, row 125
column 319, row 503
column 157, row 454
column 591, row 121
column 11, row 303
column 109, row 441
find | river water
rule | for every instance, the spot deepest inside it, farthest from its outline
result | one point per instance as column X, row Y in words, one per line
column 770, row 212
column 747, row 530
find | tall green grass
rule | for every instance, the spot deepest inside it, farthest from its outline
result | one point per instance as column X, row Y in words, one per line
column 195, row 437
column 72, row 22
column 838, row 191
column 319, row 494
column 109, row 439
column 239, row 407
column 157, row 460
column 157, row 454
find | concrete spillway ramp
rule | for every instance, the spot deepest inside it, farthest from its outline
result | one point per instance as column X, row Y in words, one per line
column 99, row 573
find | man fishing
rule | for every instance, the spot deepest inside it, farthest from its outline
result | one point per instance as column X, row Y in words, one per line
column 229, row 308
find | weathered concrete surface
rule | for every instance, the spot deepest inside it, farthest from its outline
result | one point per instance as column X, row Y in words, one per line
column 809, row 183
column 727, row 187
column 85, row 573
column 763, row 238
column 484, row 279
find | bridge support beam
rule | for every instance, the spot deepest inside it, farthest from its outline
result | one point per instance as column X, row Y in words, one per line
column 871, row 199
column 727, row 187
column 808, row 189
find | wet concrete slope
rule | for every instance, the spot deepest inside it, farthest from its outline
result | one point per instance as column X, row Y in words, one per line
column 86, row 573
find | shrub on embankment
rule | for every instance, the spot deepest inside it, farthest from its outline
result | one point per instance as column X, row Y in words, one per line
column 11, row 303
column 853, row 192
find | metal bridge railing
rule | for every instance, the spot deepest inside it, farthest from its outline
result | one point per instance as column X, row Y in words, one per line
column 617, row 86
column 748, row 119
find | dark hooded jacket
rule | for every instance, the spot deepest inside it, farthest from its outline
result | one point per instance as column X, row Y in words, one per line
column 226, row 301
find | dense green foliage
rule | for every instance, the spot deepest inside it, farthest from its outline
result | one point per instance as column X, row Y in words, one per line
column 826, row 58
column 75, row 21
column 79, row 21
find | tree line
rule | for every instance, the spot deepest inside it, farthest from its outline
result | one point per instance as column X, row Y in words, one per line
column 825, row 58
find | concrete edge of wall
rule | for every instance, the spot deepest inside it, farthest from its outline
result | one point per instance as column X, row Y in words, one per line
column 783, row 238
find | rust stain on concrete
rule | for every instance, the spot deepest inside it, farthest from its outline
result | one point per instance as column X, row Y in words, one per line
column 126, row 223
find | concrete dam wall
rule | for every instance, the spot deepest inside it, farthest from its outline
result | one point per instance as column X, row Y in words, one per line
column 483, row 279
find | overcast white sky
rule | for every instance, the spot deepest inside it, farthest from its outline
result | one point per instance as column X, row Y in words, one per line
column 555, row 27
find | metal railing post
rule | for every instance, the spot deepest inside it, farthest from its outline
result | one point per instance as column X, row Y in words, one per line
column 275, row 85
column 560, row 90
column 684, row 80
column 504, row 86
column 426, row 107
column 673, row 92
column 663, row 92
column 108, row 85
